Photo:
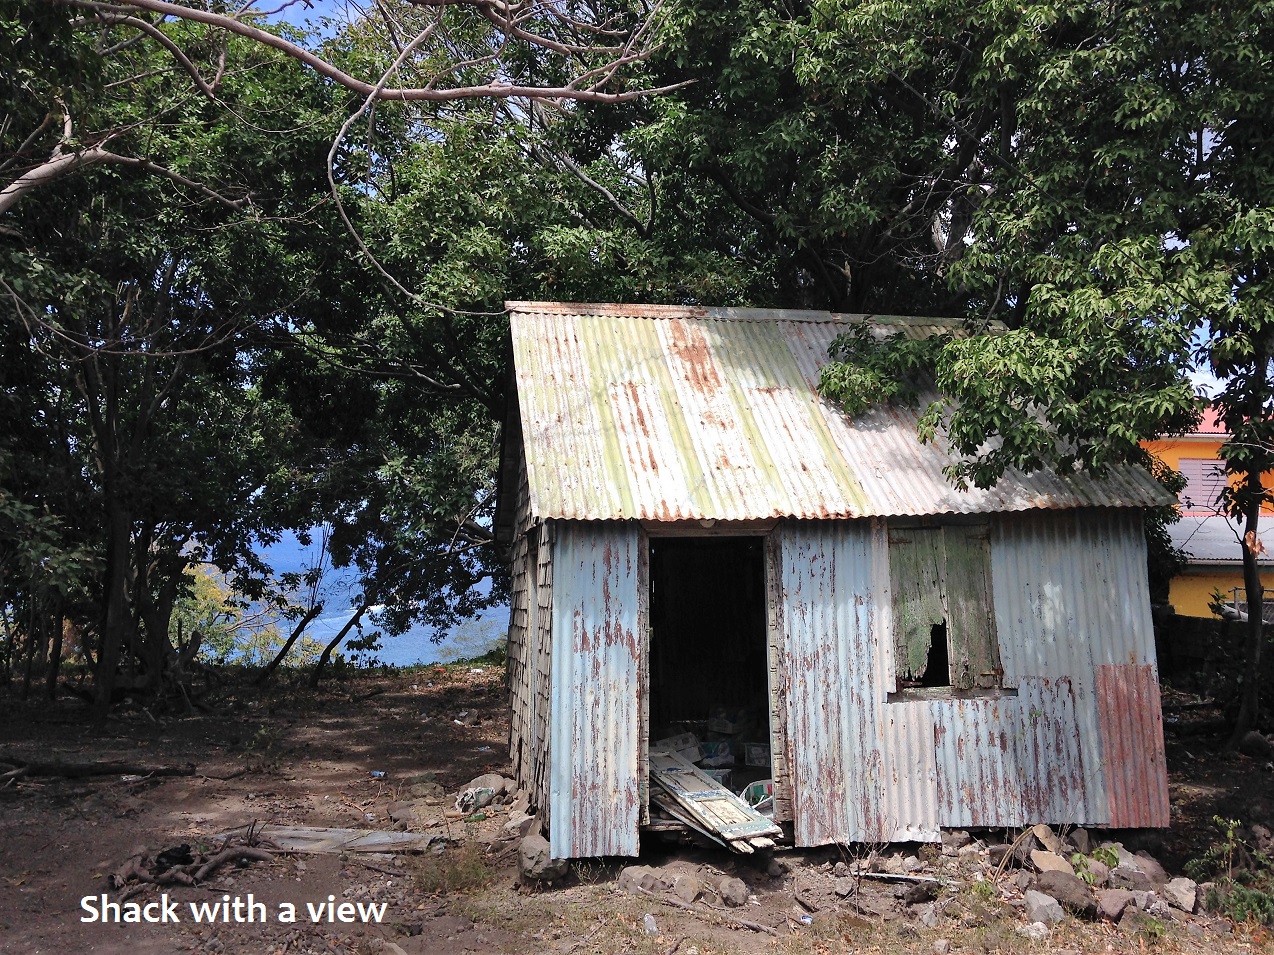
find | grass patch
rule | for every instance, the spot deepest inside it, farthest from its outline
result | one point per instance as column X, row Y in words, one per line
column 458, row 868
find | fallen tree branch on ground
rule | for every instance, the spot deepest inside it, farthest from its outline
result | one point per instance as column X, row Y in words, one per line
column 83, row 770
column 178, row 866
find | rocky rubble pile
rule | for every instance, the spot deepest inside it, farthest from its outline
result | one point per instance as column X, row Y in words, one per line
column 1039, row 880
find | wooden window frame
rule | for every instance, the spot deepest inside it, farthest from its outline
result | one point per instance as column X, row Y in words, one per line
column 940, row 576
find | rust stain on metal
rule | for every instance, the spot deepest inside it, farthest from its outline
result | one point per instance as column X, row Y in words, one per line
column 732, row 392
column 1131, row 722
column 690, row 345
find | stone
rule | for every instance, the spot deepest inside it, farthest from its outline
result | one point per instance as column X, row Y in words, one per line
column 521, row 803
column 535, row 861
column 972, row 850
column 1130, row 877
column 920, row 892
column 1043, row 908
column 912, row 864
column 734, row 892
column 1048, row 839
column 928, row 915
column 491, row 781
column 941, row 947
column 955, row 838
column 636, row 877
column 1082, row 840
column 686, row 887
column 1150, row 865
column 843, row 887
column 1035, row 932
column 841, row 870
column 520, row 824
column 1112, row 902
column 1071, row 891
column 1256, row 745
column 1181, row 893
column 1047, row 861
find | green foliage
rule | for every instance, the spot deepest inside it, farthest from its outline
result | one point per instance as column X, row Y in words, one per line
column 1243, row 876
column 207, row 608
column 1079, row 862
column 983, row 891
column 1107, row 856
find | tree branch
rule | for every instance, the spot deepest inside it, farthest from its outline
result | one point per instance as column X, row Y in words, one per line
column 60, row 164
column 592, row 93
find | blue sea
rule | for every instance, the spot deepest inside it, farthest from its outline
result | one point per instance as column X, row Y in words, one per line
column 470, row 638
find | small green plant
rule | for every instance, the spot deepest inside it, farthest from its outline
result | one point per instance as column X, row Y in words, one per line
column 1152, row 930
column 983, row 891
column 1107, row 856
column 1243, row 876
column 1079, row 862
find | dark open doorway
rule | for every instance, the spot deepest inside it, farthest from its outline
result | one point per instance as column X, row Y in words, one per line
column 708, row 651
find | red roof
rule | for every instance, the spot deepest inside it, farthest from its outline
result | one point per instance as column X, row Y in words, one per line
column 1210, row 423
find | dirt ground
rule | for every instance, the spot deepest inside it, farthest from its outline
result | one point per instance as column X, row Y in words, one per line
column 295, row 758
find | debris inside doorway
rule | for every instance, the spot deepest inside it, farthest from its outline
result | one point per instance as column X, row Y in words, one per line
column 695, row 799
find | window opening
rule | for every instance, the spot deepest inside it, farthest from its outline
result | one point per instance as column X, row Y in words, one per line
column 944, row 622
column 938, row 665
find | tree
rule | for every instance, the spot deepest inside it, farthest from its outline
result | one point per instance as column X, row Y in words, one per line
column 429, row 50
column 1122, row 231
column 227, row 369
column 137, row 311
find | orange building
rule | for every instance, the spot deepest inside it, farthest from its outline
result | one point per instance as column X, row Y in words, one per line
column 1209, row 537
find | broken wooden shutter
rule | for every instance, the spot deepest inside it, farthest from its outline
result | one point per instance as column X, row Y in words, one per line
column 971, row 638
column 917, row 574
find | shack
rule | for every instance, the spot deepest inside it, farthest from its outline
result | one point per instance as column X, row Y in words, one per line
column 702, row 547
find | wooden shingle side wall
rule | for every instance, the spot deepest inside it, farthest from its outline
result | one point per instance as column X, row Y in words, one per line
column 520, row 644
column 541, row 682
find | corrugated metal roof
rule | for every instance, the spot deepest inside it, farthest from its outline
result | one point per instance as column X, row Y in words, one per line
column 1214, row 539
column 670, row 413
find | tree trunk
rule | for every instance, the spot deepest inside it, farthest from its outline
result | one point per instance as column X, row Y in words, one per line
column 55, row 655
column 119, row 527
column 1250, row 689
column 6, row 662
column 327, row 650
column 156, row 614
column 273, row 665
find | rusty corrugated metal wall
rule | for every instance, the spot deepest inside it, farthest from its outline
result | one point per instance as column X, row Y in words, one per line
column 1076, row 737
column 1071, row 588
column 1080, row 741
column 596, row 719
